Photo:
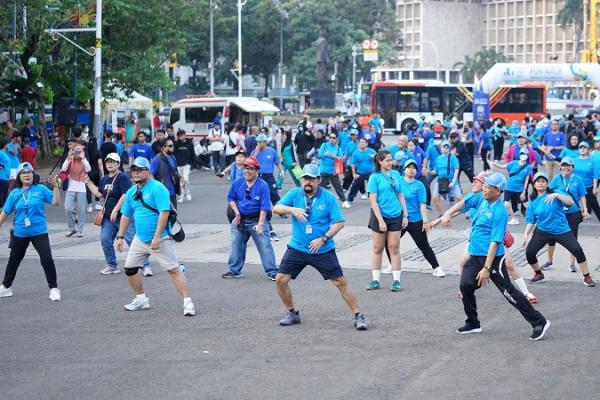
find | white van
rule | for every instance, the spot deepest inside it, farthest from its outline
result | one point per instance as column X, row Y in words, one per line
column 195, row 114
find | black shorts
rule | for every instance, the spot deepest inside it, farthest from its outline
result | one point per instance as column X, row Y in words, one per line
column 294, row 261
column 512, row 196
column 393, row 224
column 574, row 219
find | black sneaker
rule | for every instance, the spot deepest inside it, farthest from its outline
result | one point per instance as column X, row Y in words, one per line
column 231, row 275
column 468, row 328
column 539, row 331
column 537, row 278
column 588, row 281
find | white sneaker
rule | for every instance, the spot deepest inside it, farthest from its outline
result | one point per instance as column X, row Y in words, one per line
column 5, row 292
column 110, row 270
column 364, row 196
column 188, row 197
column 148, row 272
column 138, row 304
column 188, row 309
column 89, row 209
column 439, row 272
column 346, row 204
column 180, row 199
column 98, row 207
column 54, row 294
column 387, row 270
column 513, row 221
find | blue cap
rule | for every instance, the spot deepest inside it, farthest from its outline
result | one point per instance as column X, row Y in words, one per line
column 24, row 167
column 584, row 144
column 141, row 162
column 597, row 138
column 446, row 143
column 524, row 150
column 497, row 180
column 540, row 174
column 261, row 138
column 567, row 161
column 521, row 134
column 400, row 155
column 311, row 170
column 353, row 131
column 410, row 162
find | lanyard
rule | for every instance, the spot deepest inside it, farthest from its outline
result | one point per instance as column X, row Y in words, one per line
column 562, row 178
column 26, row 199
column 483, row 211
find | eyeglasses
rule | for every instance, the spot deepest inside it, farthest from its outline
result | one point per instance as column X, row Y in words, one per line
column 134, row 170
column 332, row 137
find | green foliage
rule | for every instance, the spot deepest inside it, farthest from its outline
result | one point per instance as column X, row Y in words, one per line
column 473, row 68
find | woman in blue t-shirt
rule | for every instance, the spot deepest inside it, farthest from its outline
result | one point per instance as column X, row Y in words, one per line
column 362, row 166
column 546, row 214
column 585, row 168
column 30, row 226
column 388, row 217
column 516, row 187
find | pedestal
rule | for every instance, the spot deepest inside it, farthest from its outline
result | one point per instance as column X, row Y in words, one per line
column 322, row 98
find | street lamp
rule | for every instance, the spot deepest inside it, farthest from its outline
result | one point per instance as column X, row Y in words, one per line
column 213, row 6
column 240, row 77
column 284, row 15
column 437, row 58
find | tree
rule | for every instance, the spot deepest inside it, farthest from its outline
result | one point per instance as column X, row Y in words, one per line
column 473, row 68
column 572, row 14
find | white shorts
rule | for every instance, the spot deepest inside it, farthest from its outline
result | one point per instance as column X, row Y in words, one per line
column 165, row 255
column 184, row 172
column 454, row 192
column 13, row 173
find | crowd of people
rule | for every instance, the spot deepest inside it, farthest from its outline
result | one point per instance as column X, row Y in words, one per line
column 548, row 170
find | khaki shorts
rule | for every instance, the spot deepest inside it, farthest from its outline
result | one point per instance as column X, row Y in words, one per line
column 165, row 255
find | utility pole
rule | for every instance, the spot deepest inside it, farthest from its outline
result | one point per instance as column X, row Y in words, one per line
column 354, row 54
column 213, row 6
column 98, row 72
column 240, row 77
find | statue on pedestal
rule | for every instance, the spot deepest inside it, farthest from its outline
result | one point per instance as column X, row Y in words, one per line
column 322, row 59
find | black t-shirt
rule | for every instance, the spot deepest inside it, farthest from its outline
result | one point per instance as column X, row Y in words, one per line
column 106, row 148
column 156, row 147
column 304, row 142
column 120, row 187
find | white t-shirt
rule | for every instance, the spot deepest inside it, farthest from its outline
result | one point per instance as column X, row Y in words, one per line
column 215, row 145
column 234, row 137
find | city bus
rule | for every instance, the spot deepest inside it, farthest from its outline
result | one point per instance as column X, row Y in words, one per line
column 402, row 103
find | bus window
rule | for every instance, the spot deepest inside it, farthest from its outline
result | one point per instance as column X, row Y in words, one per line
column 175, row 113
column 201, row 114
column 535, row 99
column 387, row 101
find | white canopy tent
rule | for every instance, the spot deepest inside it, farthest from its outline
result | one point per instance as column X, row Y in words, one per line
column 136, row 102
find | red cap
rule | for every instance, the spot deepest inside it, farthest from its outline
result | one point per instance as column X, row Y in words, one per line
column 252, row 162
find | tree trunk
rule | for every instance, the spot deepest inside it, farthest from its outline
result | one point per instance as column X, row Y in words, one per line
column 266, row 89
column 45, row 145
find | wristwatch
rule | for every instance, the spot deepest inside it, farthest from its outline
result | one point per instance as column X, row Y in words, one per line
column 120, row 237
column 324, row 238
column 488, row 268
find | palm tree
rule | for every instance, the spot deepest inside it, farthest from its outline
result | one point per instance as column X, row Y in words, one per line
column 473, row 68
column 572, row 14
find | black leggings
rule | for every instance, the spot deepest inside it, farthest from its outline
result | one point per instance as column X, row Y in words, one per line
column 335, row 182
column 498, row 148
column 18, row 249
column 415, row 230
column 423, row 179
column 541, row 238
column 486, row 165
column 592, row 202
column 358, row 184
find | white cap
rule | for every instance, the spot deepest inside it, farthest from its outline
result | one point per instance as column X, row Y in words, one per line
column 114, row 157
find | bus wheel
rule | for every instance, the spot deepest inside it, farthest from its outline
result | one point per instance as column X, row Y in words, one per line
column 406, row 124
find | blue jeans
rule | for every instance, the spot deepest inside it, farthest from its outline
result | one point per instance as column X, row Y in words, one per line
column 240, row 234
column 108, row 233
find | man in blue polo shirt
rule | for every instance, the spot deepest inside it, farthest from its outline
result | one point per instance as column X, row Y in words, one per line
column 140, row 149
column 249, row 199
column 317, row 218
column 552, row 144
column 268, row 159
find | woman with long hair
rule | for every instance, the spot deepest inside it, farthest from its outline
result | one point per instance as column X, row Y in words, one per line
column 30, row 226
column 77, row 167
column 546, row 215
column 389, row 216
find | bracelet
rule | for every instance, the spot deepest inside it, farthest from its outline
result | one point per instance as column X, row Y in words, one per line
column 120, row 237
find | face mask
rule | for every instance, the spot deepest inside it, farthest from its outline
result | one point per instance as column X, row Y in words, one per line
column 523, row 157
column 437, row 142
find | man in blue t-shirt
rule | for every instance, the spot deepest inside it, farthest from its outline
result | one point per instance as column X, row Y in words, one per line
column 268, row 159
column 250, row 202
column 486, row 261
column 148, row 203
column 317, row 218
column 140, row 149
column 552, row 144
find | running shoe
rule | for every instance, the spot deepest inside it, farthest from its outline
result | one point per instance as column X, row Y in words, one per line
column 89, row 209
column 110, row 270
column 188, row 197
column 360, row 322
column 148, row 272
column 573, row 268
column 438, row 272
column 5, row 292
column 291, row 318
column 395, row 286
column 539, row 331
column 531, row 298
column 588, row 281
column 364, row 196
column 273, row 277
column 231, row 275
column 137, row 304
column 468, row 328
column 373, row 285
column 513, row 221
column 547, row 265
column 346, row 204
column 180, row 199
column 78, row 235
column 70, row 233
column 54, row 294
column 537, row 278
column 188, row 308
column 273, row 236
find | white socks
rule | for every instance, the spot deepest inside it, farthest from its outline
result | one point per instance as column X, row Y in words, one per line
column 396, row 275
column 376, row 274
column 186, row 299
column 521, row 285
column 141, row 296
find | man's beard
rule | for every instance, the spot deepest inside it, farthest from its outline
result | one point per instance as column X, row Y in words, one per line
column 308, row 189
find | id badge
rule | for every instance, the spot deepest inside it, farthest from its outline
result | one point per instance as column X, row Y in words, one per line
column 565, row 209
column 27, row 222
column 309, row 229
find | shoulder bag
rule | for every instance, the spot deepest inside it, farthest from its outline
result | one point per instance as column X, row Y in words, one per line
column 179, row 236
column 100, row 214
column 444, row 182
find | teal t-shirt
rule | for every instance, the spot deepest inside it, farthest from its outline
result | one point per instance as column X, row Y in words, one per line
column 441, row 166
column 488, row 225
column 415, row 195
column 5, row 166
column 327, row 161
column 584, row 168
column 363, row 161
column 29, row 204
column 516, row 182
column 571, row 185
column 387, row 188
column 156, row 195
column 549, row 217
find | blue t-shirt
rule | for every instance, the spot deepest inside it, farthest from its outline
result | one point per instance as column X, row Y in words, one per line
column 344, row 138
column 349, row 149
column 584, row 168
column 432, row 153
column 376, row 123
column 441, row 166
column 555, row 140
column 29, row 204
column 386, row 188
column 567, row 152
column 323, row 211
column 419, row 157
column 488, row 225
column 5, row 166
column 327, row 164
column 156, row 195
column 250, row 201
column 472, row 201
column 415, row 195
column 571, row 185
column 14, row 158
column 267, row 158
column 596, row 163
column 549, row 217
column 516, row 183
column 484, row 139
column 119, row 188
column 141, row 150
column 235, row 172
column 363, row 161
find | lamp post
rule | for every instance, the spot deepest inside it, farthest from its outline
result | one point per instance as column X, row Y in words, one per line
column 284, row 15
column 213, row 6
column 355, row 50
column 240, row 77
column 437, row 58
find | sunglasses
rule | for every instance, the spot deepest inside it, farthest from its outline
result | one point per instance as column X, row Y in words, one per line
column 170, row 146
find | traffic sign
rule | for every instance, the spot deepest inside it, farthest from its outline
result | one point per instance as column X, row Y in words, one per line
column 366, row 44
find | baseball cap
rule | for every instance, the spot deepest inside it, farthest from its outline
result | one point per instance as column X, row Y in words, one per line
column 252, row 162
column 400, row 155
column 141, row 162
column 410, row 162
column 113, row 156
column 521, row 135
column 453, row 135
column 24, row 167
column 524, row 151
column 353, row 131
column 567, row 161
column 446, row 143
column 26, row 140
column 311, row 170
column 497, row 180
column 597, row 138
column 261, row 138
column 584, row 144
column 540, row 174
column 242, row 152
